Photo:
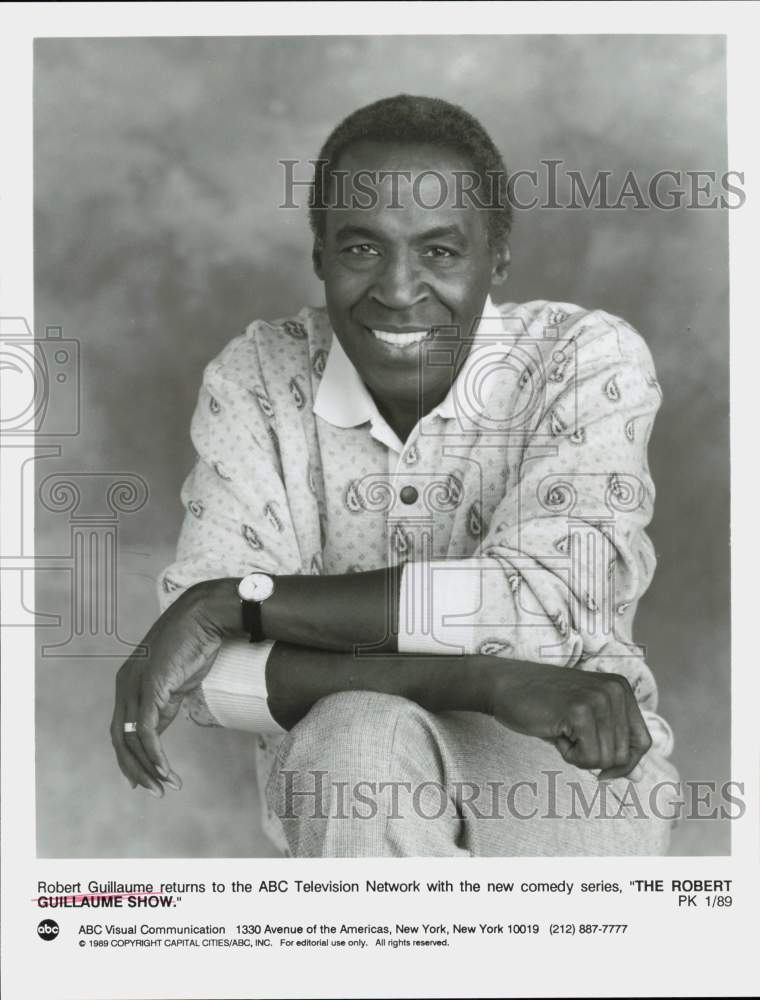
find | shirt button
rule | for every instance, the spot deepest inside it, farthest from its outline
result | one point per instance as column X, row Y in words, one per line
column 409, row 495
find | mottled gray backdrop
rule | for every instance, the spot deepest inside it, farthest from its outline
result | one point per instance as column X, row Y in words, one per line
column 157, row 237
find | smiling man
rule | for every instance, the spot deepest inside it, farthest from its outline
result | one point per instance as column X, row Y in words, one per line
column 414, row 542
column 395, row 277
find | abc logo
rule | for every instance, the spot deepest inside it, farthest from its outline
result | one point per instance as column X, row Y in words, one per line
column 47, row 930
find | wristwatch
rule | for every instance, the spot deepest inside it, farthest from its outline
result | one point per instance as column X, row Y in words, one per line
column 253, row 590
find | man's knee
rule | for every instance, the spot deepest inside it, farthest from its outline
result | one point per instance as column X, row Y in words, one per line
column 356, row 739
column 347, row 741
column 342, row 729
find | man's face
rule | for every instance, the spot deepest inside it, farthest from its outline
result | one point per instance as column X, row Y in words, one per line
column 397, row 279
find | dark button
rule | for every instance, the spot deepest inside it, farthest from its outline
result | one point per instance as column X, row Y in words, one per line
column 409, row 495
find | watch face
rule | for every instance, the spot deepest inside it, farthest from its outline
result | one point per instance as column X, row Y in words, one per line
column 256, row 587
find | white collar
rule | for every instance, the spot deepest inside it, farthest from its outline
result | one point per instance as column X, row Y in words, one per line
column 343, row 399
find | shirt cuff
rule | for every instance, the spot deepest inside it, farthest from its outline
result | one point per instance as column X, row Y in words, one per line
column 438, row 605
column 234, row 691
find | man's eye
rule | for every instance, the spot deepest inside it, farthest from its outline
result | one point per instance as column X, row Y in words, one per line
column 440, row 252
column 361, row 250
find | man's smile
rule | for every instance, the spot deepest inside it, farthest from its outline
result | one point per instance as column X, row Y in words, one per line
column 402, row 337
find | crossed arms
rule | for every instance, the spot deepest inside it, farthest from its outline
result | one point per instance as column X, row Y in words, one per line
column 525, row 622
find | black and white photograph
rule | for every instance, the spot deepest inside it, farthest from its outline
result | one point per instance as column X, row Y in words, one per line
column 367, row 465
column 456, row 416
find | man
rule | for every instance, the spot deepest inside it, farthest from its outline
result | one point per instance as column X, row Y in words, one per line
column 427, row 513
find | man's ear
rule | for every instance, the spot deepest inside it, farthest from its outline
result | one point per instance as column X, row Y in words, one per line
column 501, row 260
column 316, row 258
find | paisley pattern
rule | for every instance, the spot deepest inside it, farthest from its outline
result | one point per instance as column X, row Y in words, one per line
column 454, row 489
column 271, row 513
column 402, row 543
column 269, row 506
column 559, row 618
column 556, row 423
column 352, row 500
column 275, row 439
column 494, row 647
column 295, row 329
column 318, row 363
column 619, row 489
column 578, row 436
column 475, row 520
column 264, row 402
column 297, row 392
column 611, row 390
column 251, row 536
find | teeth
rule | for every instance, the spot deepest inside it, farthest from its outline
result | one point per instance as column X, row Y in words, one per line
column 400, row 339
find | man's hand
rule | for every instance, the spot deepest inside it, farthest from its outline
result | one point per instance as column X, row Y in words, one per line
column 592, row 718
column 182, row 646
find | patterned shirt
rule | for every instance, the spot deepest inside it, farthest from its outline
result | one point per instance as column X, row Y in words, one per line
column 517, row 506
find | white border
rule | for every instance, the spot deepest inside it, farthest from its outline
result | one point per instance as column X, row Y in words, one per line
column 679, row 958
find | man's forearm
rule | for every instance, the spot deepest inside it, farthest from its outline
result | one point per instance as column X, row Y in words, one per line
column 591, row 716
column 325, row 612
column 298, row 676
column 335, row 612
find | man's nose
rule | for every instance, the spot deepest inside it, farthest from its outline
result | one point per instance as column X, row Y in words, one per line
column 399, row 285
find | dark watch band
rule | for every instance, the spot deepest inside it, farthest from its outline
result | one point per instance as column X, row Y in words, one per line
column 252, row 620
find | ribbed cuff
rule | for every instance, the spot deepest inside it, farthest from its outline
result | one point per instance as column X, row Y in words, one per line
column 235, row 690
column 438, row 605
column 660, row 731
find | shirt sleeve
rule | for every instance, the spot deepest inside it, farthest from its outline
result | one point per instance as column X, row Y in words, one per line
column 565, row 559
column 237, row 520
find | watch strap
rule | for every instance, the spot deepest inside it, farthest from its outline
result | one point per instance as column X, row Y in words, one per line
column 251, row 612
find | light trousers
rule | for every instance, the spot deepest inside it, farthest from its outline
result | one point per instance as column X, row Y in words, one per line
column 374, row 775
